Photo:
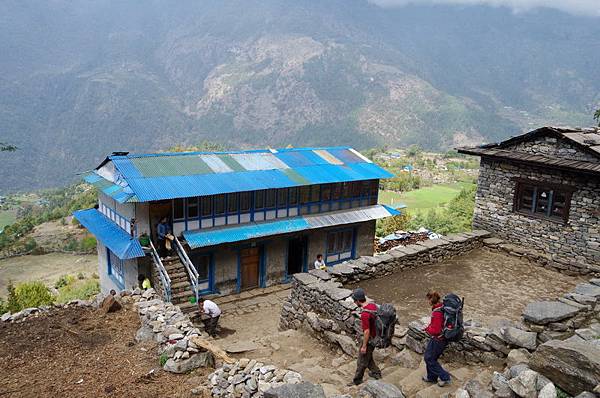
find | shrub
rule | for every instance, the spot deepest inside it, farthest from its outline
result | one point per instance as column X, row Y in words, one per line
column 64, row 280
column 163, row 359
column 88, row 244
column 30, row 244
column 78, row 290
column 392, row 224
column 80, row 276
column 28, row 294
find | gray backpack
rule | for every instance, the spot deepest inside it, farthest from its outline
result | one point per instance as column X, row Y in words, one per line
column 385, row 325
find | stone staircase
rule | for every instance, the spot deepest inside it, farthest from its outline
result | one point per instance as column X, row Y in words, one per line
column 181, row 289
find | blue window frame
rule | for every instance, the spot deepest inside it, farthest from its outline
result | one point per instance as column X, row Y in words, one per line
column 204, row 264
column 115, row 269
column 340, row 246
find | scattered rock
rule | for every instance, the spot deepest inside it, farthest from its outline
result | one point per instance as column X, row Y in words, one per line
column 501, row 387
column 544, row 312
column 519, row 338
column 144, row 333
column 574, row 366
column 460, row 393
column 6, row 317
column 380, row 389
column 110, row 304
column 548, row 391
column 475, row 389
column 300, row 390
column 518, row 356
column 524, row 385
column 201, row 359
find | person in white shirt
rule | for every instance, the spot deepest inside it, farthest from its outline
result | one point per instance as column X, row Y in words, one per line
column 213, row 312
column 319, row 263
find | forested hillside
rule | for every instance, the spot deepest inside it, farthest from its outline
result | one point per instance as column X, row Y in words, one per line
column 82, row 79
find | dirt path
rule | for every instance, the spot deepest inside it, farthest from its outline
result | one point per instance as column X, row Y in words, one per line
column 79, row 352
column 47, row 268
column 494, row 285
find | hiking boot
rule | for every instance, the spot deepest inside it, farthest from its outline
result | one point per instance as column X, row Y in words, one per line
column 376, row 376
column 353, row 384
column 426, row 380
column 443, row 383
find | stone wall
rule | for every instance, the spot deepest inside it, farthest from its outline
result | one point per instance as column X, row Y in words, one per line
column 572, row 246
column 319, row 301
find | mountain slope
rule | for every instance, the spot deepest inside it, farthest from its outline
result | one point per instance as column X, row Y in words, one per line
column 83, row 79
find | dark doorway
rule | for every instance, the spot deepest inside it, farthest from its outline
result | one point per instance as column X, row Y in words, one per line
column 296, row 255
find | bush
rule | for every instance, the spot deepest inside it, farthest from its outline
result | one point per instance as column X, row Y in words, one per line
column 392, row 224
column 28, row 294
column 78, row 290
column 64, row 280
column 163, row 359
column 80, row 276
column 88, row 244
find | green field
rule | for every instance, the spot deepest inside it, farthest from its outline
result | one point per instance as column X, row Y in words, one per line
column 7, row 217
column 424, row 198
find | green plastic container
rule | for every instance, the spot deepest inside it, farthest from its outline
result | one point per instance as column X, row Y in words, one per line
column 145, row 240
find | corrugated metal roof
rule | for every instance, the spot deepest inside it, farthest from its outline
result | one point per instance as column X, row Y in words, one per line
column 120, row 194
column 176, row 175
column 230, row 234
column 118, row 241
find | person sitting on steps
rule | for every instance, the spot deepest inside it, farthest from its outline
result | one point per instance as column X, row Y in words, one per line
column 319, row 263
column 365, row 354
column 437, row 343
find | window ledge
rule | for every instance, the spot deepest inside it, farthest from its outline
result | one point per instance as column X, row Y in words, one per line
column 554, row 220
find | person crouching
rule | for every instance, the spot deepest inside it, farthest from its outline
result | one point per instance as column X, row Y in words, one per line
column 437, row 343
column 212, row 312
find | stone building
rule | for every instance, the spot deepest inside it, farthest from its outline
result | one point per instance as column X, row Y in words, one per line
column 241, row 219
column 542, row 190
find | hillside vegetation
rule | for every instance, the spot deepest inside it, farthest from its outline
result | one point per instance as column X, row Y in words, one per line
column 83, row 79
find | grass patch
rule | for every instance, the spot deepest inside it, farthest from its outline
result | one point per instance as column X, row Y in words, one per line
column 7, row 217
column 423, row 199
column 77, row 289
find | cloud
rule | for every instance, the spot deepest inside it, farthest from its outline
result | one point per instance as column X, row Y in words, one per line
column 579, row 7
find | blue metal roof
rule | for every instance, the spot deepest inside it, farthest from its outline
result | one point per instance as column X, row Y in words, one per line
column 118, row 241
column 216, row 236
column 151, row 177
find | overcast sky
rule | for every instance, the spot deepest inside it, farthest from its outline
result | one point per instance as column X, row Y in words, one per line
column 579, row 7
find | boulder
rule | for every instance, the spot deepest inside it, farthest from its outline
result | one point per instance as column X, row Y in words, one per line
column 201, row 359
column 501, row 387
column 475, row 389
column 6, row 317
column 544, row 312
column 300, row 390
column 548, row 391
column 519, row 338
column 517, row 356
column 573, row 365
column 148, row 293
column 241, row 346
column 110, row 304
column 460, row 393
column 524, row 385
column 144, row 333
column 346, row 343
column 381, row 389
column 586, row 394
column 588, row 289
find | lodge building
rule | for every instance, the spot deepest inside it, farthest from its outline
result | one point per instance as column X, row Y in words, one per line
column 242, row 219
column 542, row 190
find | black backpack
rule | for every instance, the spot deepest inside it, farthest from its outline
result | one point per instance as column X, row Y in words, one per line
column 385, row 324
column 452, row 308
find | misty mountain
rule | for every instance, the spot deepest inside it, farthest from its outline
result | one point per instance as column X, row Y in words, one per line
column 82, row 79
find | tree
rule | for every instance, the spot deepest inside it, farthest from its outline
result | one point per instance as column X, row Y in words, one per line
column 4, row 147
column 597, row 116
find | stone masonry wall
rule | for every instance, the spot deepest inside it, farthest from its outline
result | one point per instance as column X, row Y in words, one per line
column 572, row 246
column 319, row 301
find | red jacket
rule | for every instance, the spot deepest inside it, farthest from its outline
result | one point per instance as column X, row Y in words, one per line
column 436, row 325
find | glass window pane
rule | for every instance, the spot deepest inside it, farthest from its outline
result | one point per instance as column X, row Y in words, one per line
column 232, row 202
column 244, row 201
column 219, row 204
column 331, row 243
column 259, row 200
column 346, row 193
column 192, row 207
column 356, row 189
column 206, row 204
column 347, row 241
column 336, row 191
column 326, row 192
column 559, row 200
column 178, row 209
column 202, row 264
column 304, row 194
column 315, row 193
column 282, row 198
column 543, row 198
column 271, row 195
column 364, row 189
column 293, row 196
column 374, row 187
column 526, row 202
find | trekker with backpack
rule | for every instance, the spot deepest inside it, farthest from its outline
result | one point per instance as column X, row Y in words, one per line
column 446, row 325
column 377, row 324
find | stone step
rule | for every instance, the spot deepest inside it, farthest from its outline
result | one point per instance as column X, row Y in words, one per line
column 180, row 284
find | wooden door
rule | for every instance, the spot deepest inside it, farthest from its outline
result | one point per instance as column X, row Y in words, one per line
column 250, row 264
